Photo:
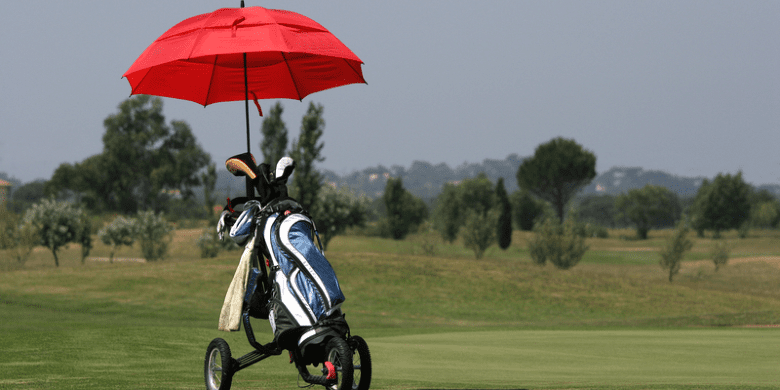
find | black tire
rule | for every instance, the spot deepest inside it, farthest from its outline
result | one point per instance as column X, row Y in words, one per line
column 361, row 363
column 218, row 367
column 340, row 355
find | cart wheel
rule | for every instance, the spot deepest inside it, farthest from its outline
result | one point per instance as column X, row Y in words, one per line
column 361, row 363
column 341, row 356
column 218, row 367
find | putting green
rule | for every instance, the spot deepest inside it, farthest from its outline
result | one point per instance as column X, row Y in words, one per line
column 742, row 358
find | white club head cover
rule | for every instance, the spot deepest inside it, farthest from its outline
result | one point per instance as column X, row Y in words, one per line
column 283, row 163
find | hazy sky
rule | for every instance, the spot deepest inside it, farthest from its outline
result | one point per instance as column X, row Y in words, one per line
column 688, row 87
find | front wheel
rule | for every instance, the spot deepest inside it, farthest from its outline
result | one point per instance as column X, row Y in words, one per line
column 340, row 355
column 218, row 366
column 361, row 363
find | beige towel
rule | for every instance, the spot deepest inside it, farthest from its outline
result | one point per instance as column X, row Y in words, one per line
column 230, row 317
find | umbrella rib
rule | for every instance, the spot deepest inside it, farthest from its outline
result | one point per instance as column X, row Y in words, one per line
column 211, row 80
column 292, row 77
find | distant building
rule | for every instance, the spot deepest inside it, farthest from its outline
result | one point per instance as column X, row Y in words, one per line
column 5, row 189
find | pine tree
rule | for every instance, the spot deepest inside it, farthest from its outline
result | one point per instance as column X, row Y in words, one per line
column 307, row 150
column 274, row 131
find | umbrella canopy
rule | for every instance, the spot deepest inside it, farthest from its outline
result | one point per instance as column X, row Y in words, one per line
column 202, row 59
column 232, row 53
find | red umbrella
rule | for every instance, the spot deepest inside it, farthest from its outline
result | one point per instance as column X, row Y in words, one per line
column 234, row 53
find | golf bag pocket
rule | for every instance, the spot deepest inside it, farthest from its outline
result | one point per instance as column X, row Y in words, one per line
column 305, row 287
column 244, row 226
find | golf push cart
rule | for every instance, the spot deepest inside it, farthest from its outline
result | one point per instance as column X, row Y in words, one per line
column 288, row 282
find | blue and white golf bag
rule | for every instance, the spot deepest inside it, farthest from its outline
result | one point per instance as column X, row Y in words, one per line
column 306, row 297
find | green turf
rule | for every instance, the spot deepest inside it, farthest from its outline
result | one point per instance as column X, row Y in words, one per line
column 582, row 358
column 441, row 320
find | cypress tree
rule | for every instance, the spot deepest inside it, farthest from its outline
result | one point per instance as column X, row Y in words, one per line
column 505, row 217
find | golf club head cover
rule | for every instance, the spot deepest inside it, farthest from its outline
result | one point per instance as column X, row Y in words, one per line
column 243, row 164
column 284, row 169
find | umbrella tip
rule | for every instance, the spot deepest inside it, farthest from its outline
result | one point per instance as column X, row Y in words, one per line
column 242, row 3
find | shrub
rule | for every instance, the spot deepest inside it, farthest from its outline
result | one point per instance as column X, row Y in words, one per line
column 209, row 243
column 338, row 209
column 57, row 224
column 720, row 254
column 557, row 243
column 673, row 250
column 9, row 224
column 84, row 237
column 121, row 231
column 154, row 234
column 765, row 214
column 588, row 230
column 18, row 239
column 427, row 239
column 479, row 231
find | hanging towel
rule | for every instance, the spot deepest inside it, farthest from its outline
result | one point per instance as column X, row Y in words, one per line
column 230, row 317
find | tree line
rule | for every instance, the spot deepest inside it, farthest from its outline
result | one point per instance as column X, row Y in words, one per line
column 148, row 164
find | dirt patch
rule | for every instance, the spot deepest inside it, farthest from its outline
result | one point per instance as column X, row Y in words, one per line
column 187, row 235
column 117, row 259
column 759, row 326
column 640, row 249
column 771, row 260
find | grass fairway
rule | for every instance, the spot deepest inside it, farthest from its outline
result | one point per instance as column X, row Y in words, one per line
column 583, row 359
column 439, row 320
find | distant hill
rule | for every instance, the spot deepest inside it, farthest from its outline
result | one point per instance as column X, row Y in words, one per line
column 622, row 179
column 426, row 180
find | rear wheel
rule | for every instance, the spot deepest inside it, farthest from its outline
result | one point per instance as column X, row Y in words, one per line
column 361, row 363
column 340, row 355
column 218, row 366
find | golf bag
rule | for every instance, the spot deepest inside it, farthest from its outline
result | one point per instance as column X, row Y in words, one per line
column 304, row 306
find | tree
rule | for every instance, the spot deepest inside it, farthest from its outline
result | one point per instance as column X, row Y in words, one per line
column 404, row 210
column 26, row 195
column 56, row 224
column 557, row 171
column 722, row 204
column 274, row 131
column 120, row 232
column 504, row 227
column 557, row 243
column 477, row 194
column 209, row 180
column 647, row 207
column 337, row 210
column 674, row 249
column 176, row 165
column 84, row 237
column 306, row 151
column 526, row 209
column 597, row 209
column 479, row 230
column 143, row 160
column 447, row 214
column 85, row 182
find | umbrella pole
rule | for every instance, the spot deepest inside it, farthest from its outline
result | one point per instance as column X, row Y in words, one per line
column 249, row 190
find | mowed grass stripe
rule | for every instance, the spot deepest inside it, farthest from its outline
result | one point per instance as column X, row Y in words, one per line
column 581, row 358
